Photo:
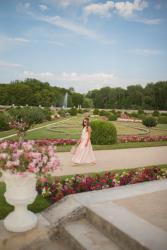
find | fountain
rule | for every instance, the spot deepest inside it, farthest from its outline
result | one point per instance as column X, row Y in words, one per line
column 65, row 100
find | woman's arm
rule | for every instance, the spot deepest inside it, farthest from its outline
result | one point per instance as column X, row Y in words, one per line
column 89, row 135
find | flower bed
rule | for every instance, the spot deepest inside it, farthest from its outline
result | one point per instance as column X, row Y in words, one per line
column 56, row 141
column 136, row 138
column 55, row 188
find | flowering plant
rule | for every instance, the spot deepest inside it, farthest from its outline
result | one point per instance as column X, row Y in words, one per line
column 137, row 138
column 21, row 128
column 60, row 141
column 27, row 157
column 55, row 188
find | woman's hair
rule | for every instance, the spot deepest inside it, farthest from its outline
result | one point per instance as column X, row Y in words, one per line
column 87, row 120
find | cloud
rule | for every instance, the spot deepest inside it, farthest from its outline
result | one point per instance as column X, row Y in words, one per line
column 124, row 9
column 66, row 24
column 146, row 52
column 10, row 65
column 22, row 7
column 7, row 42
column 67, row 3
column 127, row 8
column 18, row 39
column 154, row 21
column 43, row 7
column 81, row 81
column 101, row 9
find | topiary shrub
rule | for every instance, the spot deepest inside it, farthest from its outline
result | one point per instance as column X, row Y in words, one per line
column 149, row 122
column 4, row 122
column 103, row 133
column 162, row 119
column 73, row 111
column 96, row 111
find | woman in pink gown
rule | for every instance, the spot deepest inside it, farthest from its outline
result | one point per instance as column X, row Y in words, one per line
column 84, row 152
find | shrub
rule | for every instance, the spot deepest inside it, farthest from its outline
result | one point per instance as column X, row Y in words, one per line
column 4, row 122
column 80, row 111
column 103, row 113
column 112, row 117
column 162, row 119
column 149, row 122
column 47, row 112
column 140, row 111
column 103, row 132
column 156, row 113
column 73, row 111
column 31, row 115
column 134, row 114
column 62, row 112
column 114, row 111
column 96, row 111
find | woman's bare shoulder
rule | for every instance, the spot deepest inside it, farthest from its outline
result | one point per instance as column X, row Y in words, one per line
column 89, row 128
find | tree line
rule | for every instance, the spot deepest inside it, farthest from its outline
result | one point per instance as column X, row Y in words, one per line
column 152, row 96
column 33, row 92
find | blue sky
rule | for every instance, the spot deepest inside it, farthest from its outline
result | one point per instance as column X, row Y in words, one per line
column 86, row 44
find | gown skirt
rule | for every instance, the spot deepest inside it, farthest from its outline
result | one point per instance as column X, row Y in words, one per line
column 84, row 154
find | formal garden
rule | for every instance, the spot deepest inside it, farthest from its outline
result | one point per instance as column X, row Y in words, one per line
column 59, row 129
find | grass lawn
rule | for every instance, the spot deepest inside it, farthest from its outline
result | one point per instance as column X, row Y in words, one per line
column 40, row 203
column 71, row 129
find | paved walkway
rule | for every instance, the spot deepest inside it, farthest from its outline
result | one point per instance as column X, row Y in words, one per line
column 115, row 159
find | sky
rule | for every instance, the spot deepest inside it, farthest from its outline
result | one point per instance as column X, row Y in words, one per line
column 85, row 44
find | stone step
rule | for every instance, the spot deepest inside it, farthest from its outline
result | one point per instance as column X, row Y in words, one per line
column 81, row 235
column 125, row 228
column 47, row 245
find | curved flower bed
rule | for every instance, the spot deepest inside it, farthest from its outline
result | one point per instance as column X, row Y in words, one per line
column 135, row 138
column 54, row 188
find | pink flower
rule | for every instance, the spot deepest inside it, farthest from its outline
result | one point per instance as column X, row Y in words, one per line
column 3, row 156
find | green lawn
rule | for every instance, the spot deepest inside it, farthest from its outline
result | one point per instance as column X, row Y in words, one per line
column 71, row 129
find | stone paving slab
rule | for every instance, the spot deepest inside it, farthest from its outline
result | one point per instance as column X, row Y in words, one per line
column 151, row 207
column 114, row 159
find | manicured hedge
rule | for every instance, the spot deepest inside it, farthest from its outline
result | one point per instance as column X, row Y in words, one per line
column 103, row 133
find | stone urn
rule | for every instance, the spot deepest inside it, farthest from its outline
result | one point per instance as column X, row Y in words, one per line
column 20, row 191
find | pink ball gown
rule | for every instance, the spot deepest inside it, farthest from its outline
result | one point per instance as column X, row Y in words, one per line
column 84, row 154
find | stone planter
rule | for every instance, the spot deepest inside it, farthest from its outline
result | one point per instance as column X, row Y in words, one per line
column 20, row 191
